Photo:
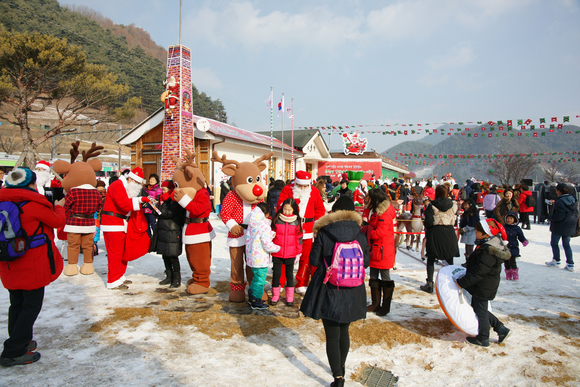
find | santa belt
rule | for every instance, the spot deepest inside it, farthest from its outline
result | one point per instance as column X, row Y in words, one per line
column 307, row 220
column 111, row 213
column 83, row 216
column 196, row 220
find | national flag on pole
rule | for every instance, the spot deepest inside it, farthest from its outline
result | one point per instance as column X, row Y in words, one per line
column 280, row 106
column 270, row 99
column 290, row 109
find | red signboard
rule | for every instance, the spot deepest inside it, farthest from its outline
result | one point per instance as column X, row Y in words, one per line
column 335, row 167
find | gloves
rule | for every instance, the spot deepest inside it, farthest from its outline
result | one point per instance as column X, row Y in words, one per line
column 525, row 243
column 145, row 199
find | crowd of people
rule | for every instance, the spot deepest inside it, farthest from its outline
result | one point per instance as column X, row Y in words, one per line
column 299, row 220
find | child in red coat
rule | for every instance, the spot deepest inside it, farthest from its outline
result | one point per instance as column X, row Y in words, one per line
column 382, row 237
column 288, row 227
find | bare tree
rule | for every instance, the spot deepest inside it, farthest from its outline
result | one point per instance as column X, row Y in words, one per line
column 570, row 175
column 511, row 169
column 9, row 143
column 551, row 170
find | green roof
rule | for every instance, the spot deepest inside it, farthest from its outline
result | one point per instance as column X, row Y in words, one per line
column 301, row 137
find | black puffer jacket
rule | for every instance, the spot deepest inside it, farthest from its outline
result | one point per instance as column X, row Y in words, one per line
column 326, row 301
column 484, row 268
column 167, row 238
column 564, row 217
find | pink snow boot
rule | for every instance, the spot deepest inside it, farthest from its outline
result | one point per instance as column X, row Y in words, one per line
column 290, row 296
column 515, row 274
column 275, row 295
column 508, row 274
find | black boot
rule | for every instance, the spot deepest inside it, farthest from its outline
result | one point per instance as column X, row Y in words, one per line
column 428, row 287
column 388, row 287
column 176, row 279
column 338, row 382
column 375, row 286
column 167, row 279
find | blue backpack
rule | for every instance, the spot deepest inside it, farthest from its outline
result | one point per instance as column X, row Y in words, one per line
column 14, row 242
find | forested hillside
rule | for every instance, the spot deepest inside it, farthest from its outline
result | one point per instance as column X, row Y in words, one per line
column 142, row 72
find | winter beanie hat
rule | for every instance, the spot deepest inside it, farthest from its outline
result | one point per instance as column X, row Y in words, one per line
column 343, row 203
column 20, row 178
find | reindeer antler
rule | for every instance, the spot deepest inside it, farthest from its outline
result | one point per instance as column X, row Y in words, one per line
column 177, row 162
column 223, row 159
column 190, row 158
column 74, row 152
column 92, row 152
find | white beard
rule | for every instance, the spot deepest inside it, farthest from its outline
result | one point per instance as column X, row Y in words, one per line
column 42, row 177
column 301, row 196
column 133, row 189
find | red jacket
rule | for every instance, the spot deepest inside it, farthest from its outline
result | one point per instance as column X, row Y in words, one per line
column 198, row 207
column 522, row 201
column 288, row 237
column 32, row 270
column 429, row 192
column 235, row 211
column 118, row 202
column 314, row 208
column 383, row 236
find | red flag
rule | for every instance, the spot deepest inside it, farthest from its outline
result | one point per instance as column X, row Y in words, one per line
column 554, row 119
column 528, row 121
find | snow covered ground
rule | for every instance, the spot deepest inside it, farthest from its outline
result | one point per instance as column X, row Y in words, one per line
column 149, row 336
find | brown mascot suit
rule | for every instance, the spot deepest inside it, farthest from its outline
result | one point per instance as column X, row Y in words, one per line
column 82, row 202
column 191, row 195
column 247, row 191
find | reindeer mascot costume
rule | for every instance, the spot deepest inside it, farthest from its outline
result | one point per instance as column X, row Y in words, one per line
column 82, row 201
column 198, row 232
column 247, row 191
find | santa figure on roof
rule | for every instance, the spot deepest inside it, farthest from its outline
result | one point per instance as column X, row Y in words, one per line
column 311, row 208
column 124, row 226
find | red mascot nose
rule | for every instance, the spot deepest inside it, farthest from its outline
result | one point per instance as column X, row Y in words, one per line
column 257, row 190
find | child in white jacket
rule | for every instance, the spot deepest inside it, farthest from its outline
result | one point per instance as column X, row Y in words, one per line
column 259, row 245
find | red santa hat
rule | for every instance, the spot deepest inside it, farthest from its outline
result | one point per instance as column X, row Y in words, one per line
column 492, row 227
column 43, row 165
column 137, row 175
column 303, row 178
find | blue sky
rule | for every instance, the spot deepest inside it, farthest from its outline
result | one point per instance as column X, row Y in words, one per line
column 354, row 62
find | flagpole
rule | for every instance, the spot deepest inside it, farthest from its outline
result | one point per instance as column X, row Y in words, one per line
column 292, row 159
column 272, row 166
column 283, row 161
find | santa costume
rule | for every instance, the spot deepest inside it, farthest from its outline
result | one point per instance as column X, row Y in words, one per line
column 172, row 97
column 311, row 209
column 121, row 204
column 237, row 212
column 43, row 177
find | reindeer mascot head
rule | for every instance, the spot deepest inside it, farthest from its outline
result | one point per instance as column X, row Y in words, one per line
column 247, row 191
column 82, row 202
column 191, row 194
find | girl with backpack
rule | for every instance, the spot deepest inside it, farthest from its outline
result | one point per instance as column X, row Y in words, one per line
column 287, row 225
column 382, row 245
column 336, row 306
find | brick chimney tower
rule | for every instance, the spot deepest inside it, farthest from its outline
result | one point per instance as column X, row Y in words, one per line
column 178, row 123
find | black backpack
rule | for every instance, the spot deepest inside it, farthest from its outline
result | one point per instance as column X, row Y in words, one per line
column 530, row 201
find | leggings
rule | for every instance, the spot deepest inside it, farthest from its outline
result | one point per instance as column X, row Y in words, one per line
column 288, row 264
column 385, row 274
column 511, row 263
column 171, row 263
column 337, row 345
